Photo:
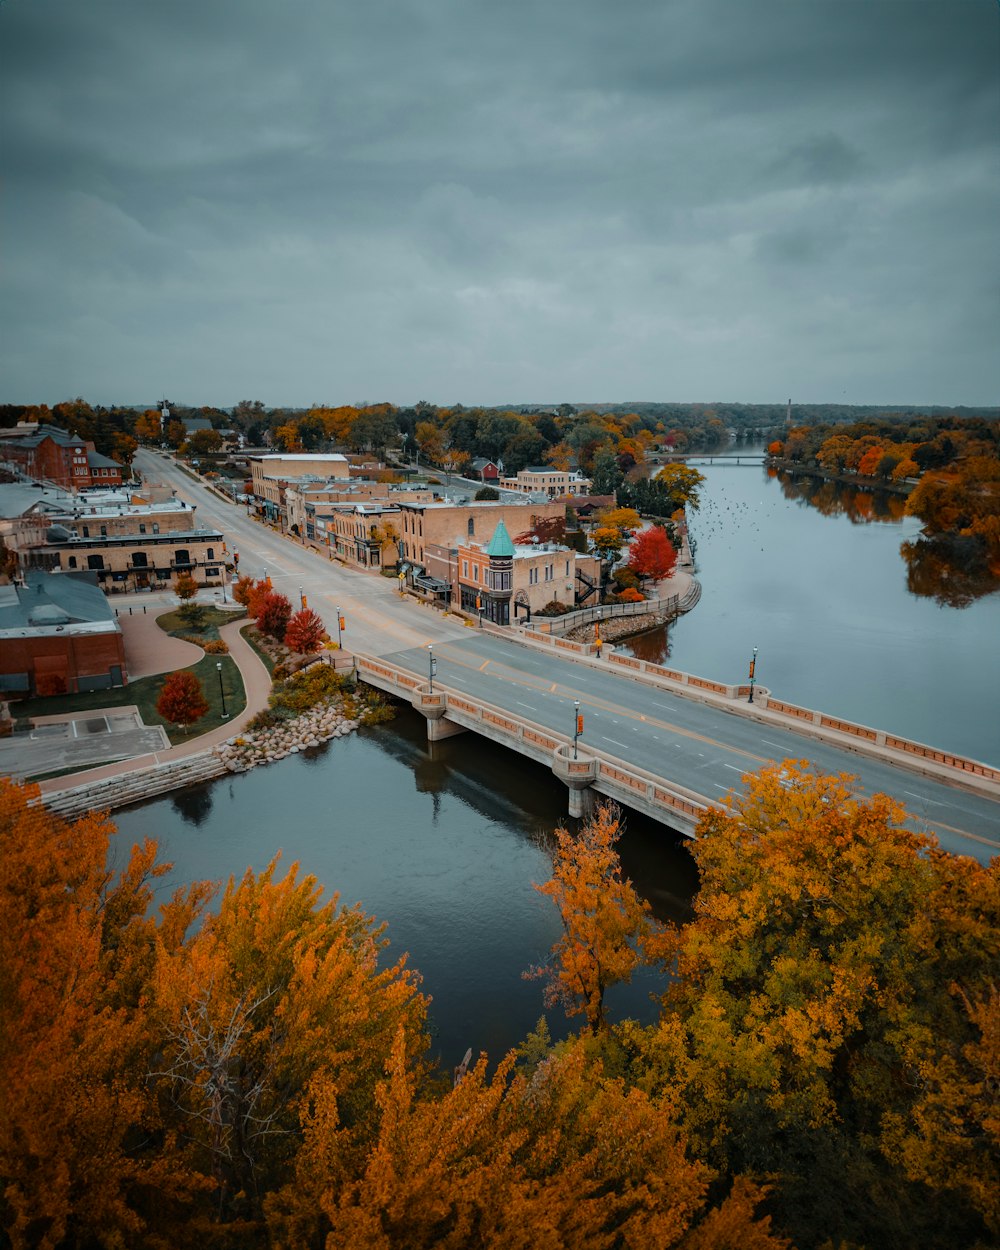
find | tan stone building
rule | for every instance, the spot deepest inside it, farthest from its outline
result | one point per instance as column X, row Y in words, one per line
column 271, row 475
column 37, row 520
column 149, row 557
column 506, row 581
column 556, row 483
column 430, row 529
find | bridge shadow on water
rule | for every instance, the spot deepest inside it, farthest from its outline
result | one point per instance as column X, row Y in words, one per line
column 501, row 784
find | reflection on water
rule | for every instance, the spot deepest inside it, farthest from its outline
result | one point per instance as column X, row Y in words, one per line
column 810, row 572
column 194, row 806
column 951, row 569
column 441, row 840
column 840, row 499
column 653, row 646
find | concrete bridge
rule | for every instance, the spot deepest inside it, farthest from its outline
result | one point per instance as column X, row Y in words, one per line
column 666, row 743
column 747, row 458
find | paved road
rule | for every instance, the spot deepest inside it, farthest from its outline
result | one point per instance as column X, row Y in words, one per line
column 686, row 741
column 699, row 746
column 377, row 618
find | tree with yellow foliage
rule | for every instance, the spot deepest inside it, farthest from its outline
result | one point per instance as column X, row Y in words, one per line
column 838, row 968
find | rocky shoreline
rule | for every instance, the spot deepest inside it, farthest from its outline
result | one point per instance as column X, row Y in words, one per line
column 266, row 746
column 617, row 627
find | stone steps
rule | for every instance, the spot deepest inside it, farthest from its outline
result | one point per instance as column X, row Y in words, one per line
column 134, row 787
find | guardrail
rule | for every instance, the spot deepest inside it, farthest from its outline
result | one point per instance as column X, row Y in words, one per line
column 672, row 606
column 656, row 795
column 802, row 717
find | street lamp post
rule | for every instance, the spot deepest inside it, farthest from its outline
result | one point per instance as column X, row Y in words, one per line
column 340, row 636
column 753, row 669
column 431, row 666
column 576, row 725
column 597, row 632
column 222, row 691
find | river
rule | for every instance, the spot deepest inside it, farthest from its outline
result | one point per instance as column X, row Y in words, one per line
column 443, row 841
column 822, row 592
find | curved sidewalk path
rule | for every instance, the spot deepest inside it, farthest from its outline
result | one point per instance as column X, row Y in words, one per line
column 256, row 684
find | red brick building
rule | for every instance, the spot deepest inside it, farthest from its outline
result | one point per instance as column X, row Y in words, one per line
column 63, row 459
column 58, row 635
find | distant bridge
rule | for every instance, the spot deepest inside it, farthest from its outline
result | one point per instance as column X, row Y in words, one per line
column 747, row 458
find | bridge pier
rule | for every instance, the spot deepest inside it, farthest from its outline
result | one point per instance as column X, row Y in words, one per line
column 434, row 708
column 579, row 776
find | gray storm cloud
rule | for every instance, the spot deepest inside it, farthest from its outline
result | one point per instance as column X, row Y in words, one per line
column 697, row 199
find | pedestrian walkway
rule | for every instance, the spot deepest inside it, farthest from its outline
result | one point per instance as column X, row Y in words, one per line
column 257, row 685
column 150, row 650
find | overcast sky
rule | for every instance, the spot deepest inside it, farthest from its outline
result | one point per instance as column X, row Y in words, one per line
column 500, row 201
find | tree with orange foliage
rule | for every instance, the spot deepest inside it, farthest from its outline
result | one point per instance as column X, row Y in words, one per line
column 185, row 587
column 147, row 426
column 305, row 632
column 652, row 554
column 566, row 1158
column 182, row 700
column 243, row 589
column 603, row 919
column 271, row 612
column 275, row 996
column 78, row 1160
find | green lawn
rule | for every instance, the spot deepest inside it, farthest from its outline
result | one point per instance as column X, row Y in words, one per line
column 144, row 692
column 212, row 618
column 251, row 641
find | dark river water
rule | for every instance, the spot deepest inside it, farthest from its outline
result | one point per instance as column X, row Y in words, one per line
column 443, row 841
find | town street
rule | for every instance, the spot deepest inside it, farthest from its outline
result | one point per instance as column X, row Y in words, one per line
column 692, row 743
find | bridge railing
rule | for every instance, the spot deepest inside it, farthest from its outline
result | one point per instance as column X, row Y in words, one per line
column 802, row 717
column 631, row 784
column 672, row 605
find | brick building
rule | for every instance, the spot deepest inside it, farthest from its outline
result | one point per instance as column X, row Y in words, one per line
column 58, row 635
column 52, row 455
column 430, row 531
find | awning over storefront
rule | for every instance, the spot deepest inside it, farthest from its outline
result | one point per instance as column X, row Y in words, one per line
column 432, row 584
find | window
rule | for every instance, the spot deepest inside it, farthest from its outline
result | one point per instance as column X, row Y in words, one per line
column 472, row 526
column 475, row 572
column 104, row 531
column 182, row 557
column 95, row 562
column 86, row 531
column 156, row 527
column 71, row 562
column 210, row 555
column 142, row 528
column 465, row 568
column 567, row 568
column 139, row 560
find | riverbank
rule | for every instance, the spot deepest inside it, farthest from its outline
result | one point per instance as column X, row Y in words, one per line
column 845, row 479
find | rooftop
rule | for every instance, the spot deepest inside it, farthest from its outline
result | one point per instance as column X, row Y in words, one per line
column 304, row 455
column 53, row 601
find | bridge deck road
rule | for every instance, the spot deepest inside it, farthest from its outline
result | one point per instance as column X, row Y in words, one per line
column 683, row 740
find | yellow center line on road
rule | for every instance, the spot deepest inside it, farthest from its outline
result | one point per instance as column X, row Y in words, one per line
column 512, row 675
column 602, row 705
